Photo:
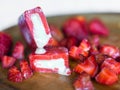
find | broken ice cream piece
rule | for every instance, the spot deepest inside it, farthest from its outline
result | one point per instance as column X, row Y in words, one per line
column 34, row 27
column 55, row 60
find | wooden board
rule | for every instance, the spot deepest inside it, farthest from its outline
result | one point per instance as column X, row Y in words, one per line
column 55, row 81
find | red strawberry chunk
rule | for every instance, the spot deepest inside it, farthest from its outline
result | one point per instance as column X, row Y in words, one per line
column 25, row 69
column 83, row 82
column 74, row 52
column 84, row 47
column 18, row 51
column 107, row 76
column 96, row 26
column 5, row 44
column 14, row 75
column 94, row 50
column 100, row 58
column 89, row 66
column 75, row 27
column 8, row 61
column 112, row 64
column 110, row 50
column 69, row 42
column 95, row 40
column 56, row 33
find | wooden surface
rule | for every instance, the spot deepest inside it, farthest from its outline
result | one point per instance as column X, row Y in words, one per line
column 54, row 81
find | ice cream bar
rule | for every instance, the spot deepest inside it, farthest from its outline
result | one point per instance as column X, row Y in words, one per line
column 55, row 60
column 34, row 28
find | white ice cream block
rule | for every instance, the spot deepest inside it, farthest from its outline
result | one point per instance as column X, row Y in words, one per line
column 55, row 60
column 34, row 27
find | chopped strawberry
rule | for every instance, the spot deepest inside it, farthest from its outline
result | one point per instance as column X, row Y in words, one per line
column 8, row 61
column 95, row 40
column 14, row 75
column 89, row 66
column 94, row 50
column 75, row 27
column 74, row 53
column 107, row 76
column 110, row 50
column 83, row 82
column 56, row 33
column 25, row 69
column 5, row 44
column 100, row 58
column 96, row 26
column 112, row 64
column 84, row 47
column 69, row 42
column 18, row 51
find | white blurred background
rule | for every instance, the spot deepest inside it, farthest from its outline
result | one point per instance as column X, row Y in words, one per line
column 10, row 10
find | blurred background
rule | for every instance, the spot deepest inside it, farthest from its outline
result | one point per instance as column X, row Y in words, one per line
column 11, row 9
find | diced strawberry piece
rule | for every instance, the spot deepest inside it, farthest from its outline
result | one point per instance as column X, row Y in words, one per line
column 69, row 42
column 110, row 50
column 89, row 66
column 34, row 28
column 107, row 76
column 75, row 27
column 5, row 44
column 83, row 82
column 100, row 58
column 74, row 52
column 18, row 51
column 54, row 60
column 14, row 75
column 112, row 64
column 8, row 61
column 84, row 47
column 95, row 40
column 56, row 33
column 25, row 69
column 117, row 59
column 94, row 50
column 96, row 26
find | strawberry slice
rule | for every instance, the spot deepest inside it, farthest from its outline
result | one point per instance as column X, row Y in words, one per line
column 74, row 52
column 18, row 51
column 25, row 69
column 96, row 26
column 69, row 42
column 110, row 50
column 8, row 61
column 75, row 27
column 56, row 33
column 112, row 64
column 107, row 76
column 89, row 66
column 83, row 49
column 100, row 58
column 5, row 44
column 83, row 82
column 14, row 75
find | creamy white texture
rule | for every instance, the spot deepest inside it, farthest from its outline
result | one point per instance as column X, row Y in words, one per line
column 53, row 64
column 40, row 51
column 40, row 36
